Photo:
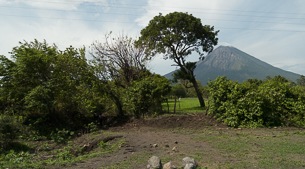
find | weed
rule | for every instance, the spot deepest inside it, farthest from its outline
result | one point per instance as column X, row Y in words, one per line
column 92, row 127
column 61, row 136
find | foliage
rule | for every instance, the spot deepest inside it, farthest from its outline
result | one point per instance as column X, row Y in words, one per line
column 185, row 86
column 179, row 91
column 65, row 154
column 274, row 102
column 9, row 131
column 61, row 135
column 13, row 159
column 49, row 87
column 6, row 68
column 145, row 96
column 177, row 35
column 92, row 127
column 117, row 64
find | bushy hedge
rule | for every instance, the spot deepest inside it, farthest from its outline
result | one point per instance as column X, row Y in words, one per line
column 255, row 103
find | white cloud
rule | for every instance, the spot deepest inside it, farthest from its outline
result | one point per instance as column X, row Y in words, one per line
column 80, row 22
column 63, row 4
column 63, row 28
column 199, row 8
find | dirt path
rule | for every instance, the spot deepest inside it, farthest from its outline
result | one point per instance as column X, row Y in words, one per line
column 160, row 137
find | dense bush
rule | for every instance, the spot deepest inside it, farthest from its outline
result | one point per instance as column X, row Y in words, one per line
column 49, row 88
column 178, row 90
column 254, row 103
column 9, row 130
column 145, row 96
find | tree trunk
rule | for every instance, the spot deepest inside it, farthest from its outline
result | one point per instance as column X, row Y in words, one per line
column 198, row 92
column 118, row 104
column 175, row 105
column 167, row 105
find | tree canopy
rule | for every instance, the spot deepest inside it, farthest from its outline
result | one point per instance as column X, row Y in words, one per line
column 122, row 68
column 48, row 86
column 117, row 64
column 177, row 35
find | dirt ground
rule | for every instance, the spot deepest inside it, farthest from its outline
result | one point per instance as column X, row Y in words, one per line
column 157, row 136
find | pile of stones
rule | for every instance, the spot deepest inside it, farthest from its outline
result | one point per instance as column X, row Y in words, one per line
column 155, row 163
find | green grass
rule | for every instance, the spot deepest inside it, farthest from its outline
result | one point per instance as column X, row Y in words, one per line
column 253, row 148
column 185, row 105
column 236, row 148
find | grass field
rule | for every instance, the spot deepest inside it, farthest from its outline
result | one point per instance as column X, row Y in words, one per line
column 253, row 148
column 184, row 105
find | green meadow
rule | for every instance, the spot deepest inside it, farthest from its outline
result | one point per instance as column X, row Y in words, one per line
column 183, row 105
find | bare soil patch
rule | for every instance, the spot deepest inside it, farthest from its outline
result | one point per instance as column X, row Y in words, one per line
column 212, row 144
column 190, row 121
column 155, row 136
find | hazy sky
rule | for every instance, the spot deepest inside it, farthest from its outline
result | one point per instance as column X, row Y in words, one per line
column 271, row 30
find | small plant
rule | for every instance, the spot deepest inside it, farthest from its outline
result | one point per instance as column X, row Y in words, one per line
column 65, row 154
column 13, row 159
column 92, row 127
column 61, row 136
column 103, row 145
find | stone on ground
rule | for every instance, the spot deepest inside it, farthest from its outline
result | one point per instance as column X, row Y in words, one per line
column 154, row 163
column 189, row 163
column 169, row 165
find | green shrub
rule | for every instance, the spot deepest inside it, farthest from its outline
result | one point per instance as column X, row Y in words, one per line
column 145, row 96
column 92, row 127
column 9, row 130
column 274, row 102
column 61, row 136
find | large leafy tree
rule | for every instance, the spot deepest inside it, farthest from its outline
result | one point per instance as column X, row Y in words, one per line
column 177, row 35
column 49, row 86
column 6, row 68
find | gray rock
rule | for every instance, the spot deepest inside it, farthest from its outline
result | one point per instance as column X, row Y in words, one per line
column 189, row 163
column 169, row 165
column 189, row 166
column 154, row 163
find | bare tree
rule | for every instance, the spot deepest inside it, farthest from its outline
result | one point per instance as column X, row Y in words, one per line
column 118, row 63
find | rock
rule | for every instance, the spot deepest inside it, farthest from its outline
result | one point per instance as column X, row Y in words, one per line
column 169, row 165
column 174, row 149
column 154, row 163
column 155, row 145
column 189, row 166
column 189, row 163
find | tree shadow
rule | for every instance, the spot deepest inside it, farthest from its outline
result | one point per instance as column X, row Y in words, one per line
column 16, row 147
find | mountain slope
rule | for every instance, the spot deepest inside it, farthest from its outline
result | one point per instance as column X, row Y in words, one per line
column 236, row 65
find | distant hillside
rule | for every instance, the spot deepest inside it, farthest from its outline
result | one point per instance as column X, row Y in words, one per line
column 235, row 65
